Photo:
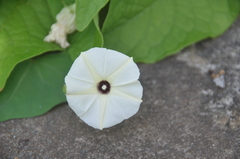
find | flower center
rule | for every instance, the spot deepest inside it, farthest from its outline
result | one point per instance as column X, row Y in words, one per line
column 104, row 87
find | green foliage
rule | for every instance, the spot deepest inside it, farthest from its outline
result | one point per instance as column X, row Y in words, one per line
column 34, row 86
column 151, row 30
column 23, row 25
column 148, row 30
column 82, row 41
column 86, row 10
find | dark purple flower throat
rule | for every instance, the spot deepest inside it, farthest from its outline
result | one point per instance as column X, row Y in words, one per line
column 104, row 87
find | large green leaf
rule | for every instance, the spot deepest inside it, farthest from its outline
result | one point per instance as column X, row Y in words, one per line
column 23, row 26
column 150, row 30
column 82, row 41
column 35, row 85
column 86, row 10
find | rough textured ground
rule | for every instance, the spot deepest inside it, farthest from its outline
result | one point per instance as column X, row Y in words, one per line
column 184, row 114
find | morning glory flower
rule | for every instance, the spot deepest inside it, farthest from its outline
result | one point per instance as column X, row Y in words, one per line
column 65, row 24
column 102, row 87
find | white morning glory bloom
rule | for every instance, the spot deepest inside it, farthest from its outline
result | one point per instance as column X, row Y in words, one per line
column 102, row 87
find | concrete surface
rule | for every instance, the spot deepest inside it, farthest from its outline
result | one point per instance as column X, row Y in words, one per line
column 184, row 114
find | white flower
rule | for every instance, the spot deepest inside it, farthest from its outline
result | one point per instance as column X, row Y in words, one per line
column 103, row 87
column 65, row 24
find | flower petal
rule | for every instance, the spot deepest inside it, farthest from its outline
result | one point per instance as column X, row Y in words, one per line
column 81, row 71
column 119, row 108
column 133, row 89
column 91, row 68
column 105, row 61
column 96, row 114
column 113, row 109
column 93, row 116
column 81, row 103
column 114, row 61
column 77, row 86
column 127, row 73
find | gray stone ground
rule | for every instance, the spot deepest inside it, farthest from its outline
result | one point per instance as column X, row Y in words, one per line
column 184, row 114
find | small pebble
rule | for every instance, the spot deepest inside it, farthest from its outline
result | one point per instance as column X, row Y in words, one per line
column 219, row 81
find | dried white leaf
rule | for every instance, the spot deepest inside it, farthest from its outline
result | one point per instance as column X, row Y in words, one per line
column 65, row 24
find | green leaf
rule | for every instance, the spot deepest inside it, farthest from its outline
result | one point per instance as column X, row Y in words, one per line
column 86, row 10
column 82, row 41
column 36, row 85
column 151, row 30
column 23, row 26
